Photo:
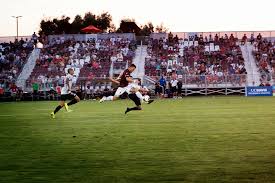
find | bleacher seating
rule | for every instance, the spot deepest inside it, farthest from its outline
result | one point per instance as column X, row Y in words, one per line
column 264, row 54
column 89, row 60
column 13, row 57
column 199, row 57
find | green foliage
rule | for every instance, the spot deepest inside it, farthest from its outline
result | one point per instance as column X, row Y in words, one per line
column 63, row 25
column 161, row 29
column 102, row 21
column 147, row 29
column 77, row 24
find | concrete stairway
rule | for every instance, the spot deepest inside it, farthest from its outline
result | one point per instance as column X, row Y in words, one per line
column 139, row 61
column 253, row 76
column 27, row 69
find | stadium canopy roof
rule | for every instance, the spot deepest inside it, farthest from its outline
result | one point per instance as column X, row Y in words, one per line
column 91, row 29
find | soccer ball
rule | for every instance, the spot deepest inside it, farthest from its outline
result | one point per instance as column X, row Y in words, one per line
column 146, row 98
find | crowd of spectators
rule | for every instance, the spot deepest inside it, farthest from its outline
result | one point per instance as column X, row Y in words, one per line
column 91, row 59
column 197, row 61
column 264, row 54
column 103, row 53
column 13, row 57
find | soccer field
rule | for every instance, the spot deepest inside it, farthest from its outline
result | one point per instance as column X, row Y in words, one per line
column 195, row 139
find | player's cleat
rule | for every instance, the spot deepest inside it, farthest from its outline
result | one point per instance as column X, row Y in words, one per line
column 53, row 115
column 102, row 100
column 127, row 110
column 150, row 101
column 69, row 110
column 66, row 107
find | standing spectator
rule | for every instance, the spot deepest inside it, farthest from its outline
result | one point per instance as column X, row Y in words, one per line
column 88, row 92
column 244, row 39
column 34, row 38
column 259, row 37
column 179, row 85
column 162, row 83
column 174, row 84
column 252, row 39
column 2, row 88
column 158, row 89
column 170, row 37
column 35, row 88
column 13, row 90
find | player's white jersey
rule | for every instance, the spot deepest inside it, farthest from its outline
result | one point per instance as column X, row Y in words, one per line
column 68, row 82
column 132, row 86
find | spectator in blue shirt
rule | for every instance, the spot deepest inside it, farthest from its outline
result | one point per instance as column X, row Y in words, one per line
column 162, row 82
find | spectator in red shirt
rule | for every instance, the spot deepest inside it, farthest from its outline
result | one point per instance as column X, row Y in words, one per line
column 259, row 37
column 13, row 88
column 244, row 39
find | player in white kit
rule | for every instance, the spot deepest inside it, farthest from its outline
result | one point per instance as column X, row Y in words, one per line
column 67, row 93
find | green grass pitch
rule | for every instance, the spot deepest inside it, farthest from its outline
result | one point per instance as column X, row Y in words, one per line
column 195, row 139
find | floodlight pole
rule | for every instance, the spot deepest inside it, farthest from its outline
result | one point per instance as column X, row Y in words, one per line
column 16, row 17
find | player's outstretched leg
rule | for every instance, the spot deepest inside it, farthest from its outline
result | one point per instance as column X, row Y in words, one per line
column 137, row 108
column 62, row 103
column 139, row 95
column 66, row 107
column 72, row 102
column 109, row 98
column 135, row 99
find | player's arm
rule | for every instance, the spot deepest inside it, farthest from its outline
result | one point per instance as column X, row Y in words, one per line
column 129, row 79
column 66, row 82
column 114, row 80
column 70, row 86
column 118, row 78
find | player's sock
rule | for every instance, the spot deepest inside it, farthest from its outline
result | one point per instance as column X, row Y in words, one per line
column 135, row 109
column 102, row 99
column 74, row 101
column 132, row 109
column 57, row 109
column 139, row 95
column 110, row 98
column 127, row 110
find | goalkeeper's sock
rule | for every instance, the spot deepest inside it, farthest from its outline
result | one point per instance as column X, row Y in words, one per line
column 57, row 109
column 74, row 101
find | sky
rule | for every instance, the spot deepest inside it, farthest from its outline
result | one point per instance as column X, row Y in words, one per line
column 177, row 15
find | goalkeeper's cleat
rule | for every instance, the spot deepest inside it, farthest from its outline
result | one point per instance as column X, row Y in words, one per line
column 66, row 107
column 150, row 101
column 53, row 115
column 102, row 100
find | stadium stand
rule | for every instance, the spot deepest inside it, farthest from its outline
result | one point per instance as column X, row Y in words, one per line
column 264, row 54
column 208, row 57
column 212, row 61
column 90, row 60
column 13, row 56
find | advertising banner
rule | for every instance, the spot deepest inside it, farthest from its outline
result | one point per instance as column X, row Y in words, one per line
column 259, row 91
column 90, row 37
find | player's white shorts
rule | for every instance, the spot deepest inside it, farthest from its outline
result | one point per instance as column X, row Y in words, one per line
column 120, row 91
